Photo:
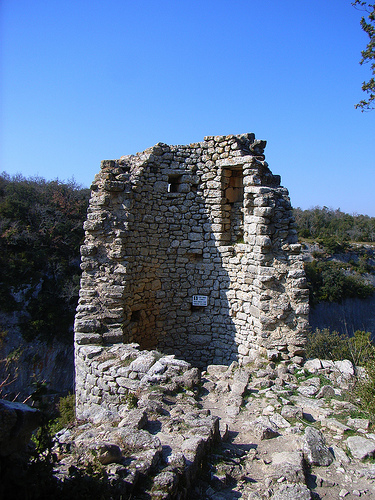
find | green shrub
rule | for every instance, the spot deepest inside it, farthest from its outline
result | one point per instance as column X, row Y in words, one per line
column 365, row 389
column 66, row 414
column 359, row 349
column 130, row 399
column 66, row 409
column 329, row 282
column 324, row 344
column 333, row 245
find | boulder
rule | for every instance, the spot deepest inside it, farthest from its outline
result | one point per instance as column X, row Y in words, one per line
column 361, row 447
column 17, row 422
column 345, row 367
column 327, row 391
column 106, row 453
column 291, row 492
column 264, row 428
column 313, row 365
column 289, row 465
column 315, row 449
column 359, row 423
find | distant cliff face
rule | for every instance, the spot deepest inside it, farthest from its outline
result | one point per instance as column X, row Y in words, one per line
column 22, row 364
column 351, row 313
column 347, row 317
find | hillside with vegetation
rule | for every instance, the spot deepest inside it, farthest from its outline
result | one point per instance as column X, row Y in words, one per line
column 339, row 255
column 334, row 226
column 340, row 260
column 40, row 234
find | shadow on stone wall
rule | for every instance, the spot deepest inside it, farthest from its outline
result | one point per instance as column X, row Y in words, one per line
column 172, row 256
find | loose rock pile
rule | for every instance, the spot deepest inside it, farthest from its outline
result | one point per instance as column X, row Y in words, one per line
column 280, row 430
column 107, row 376
column 152, row 441
column 295, row 436
column 287, row 432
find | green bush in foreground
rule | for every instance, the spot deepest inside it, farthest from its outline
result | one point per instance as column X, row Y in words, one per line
column 359, row 349
column 66, row 409
column 325, row 344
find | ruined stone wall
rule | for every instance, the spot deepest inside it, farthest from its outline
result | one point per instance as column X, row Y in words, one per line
column 193, row 250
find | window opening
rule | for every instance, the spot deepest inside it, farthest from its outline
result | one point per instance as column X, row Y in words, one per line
column 234, row 191
column 197, row 308
column 136, row 316
column 174, row 182
column 232, row 208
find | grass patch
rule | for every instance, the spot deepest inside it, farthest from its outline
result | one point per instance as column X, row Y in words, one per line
column 130, row 400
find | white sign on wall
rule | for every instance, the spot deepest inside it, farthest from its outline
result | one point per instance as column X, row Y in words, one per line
column 200, row 300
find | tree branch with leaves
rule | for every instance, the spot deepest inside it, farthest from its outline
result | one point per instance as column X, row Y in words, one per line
column 368, row 55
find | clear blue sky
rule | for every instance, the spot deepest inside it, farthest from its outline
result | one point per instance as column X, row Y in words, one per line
column 86, row 80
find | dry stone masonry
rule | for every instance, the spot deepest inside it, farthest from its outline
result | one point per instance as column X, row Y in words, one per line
column 191, row 250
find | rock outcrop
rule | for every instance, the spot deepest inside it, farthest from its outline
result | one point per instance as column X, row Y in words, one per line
column 23, row 363
column 17, row 422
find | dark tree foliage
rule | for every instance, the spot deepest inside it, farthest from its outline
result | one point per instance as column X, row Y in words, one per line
column 368, row 55
column 334, row 226
column 328, row 282
column 40, row 234
column 334, row 230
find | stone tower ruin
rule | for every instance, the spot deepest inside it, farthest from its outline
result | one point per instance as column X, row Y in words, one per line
column 193, row 250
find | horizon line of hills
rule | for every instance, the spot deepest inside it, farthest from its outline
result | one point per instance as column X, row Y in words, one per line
column 37, row 179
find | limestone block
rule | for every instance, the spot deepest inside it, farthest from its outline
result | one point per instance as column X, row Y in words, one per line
column 345, row 367
column 127, row 383
column 87, row 338
column 313, row 365
column 116, row 186
column 289, row 465
column 86, row 325
column 361, row 447
column 315, row 448
column 89, row 351
column 326, row 391
column 143, row 362
column 103, row 367
column 243, row 350
column 335, row 425
column 359, row 423
column 292, row 412
column 296, row 491
column 264, row 428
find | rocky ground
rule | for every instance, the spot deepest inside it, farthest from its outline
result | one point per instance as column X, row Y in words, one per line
column 271, row 430
column 288, row 433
